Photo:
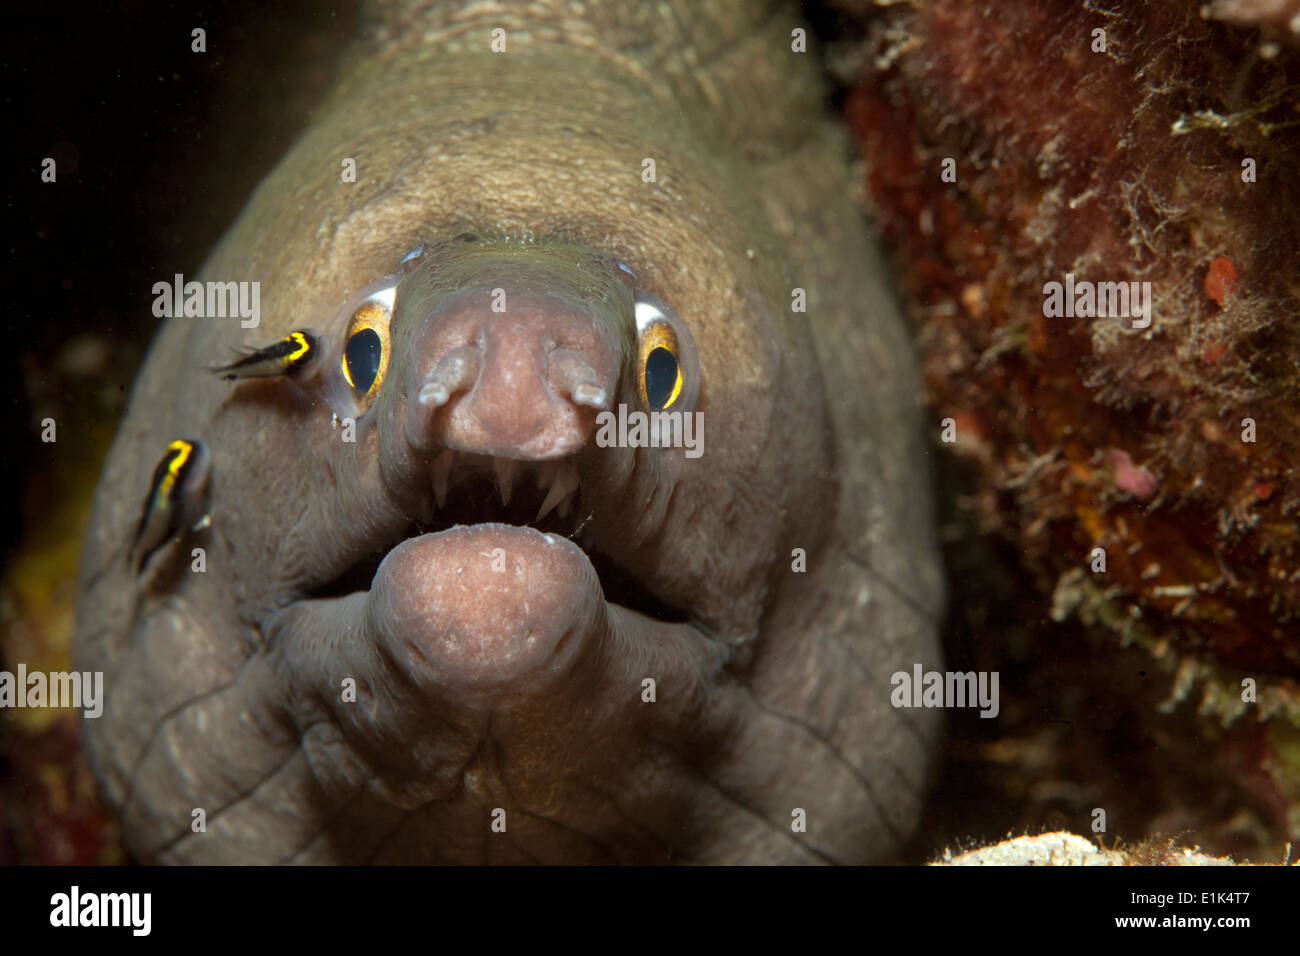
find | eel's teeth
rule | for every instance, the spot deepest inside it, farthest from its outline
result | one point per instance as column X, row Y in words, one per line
column 563, row 486
column 505, row 469
column 442, row 466
column 552, row 499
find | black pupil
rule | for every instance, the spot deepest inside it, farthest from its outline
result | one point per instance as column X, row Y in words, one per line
column 660, row 378
column 362, row 355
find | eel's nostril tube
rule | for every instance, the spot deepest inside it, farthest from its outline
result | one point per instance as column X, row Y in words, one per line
column 569, row 373
column 454, row 372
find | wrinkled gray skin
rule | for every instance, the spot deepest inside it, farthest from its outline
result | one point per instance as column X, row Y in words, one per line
column 523, row 691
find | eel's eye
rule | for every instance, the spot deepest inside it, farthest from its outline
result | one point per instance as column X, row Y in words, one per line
column 667, row 367
column 659, row 373
column 365, row 347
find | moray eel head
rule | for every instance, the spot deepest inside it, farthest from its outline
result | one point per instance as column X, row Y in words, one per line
column 515, row 559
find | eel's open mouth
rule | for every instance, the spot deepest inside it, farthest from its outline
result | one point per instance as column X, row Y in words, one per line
column 472, row 489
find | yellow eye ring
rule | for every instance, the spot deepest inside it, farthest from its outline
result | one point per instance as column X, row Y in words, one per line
column 364, row 361
column 659, row 377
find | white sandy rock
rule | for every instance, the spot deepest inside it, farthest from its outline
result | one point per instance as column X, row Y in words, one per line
column 1067, row 849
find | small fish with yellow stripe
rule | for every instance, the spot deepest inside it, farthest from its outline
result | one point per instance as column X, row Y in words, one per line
column 177, row 498
column 293, row 356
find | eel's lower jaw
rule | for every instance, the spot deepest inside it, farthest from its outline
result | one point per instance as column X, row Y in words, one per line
column 487, row 589
column 493, row 676
column 487, row 614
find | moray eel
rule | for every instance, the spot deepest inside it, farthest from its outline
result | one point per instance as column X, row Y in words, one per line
column 400, row 602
